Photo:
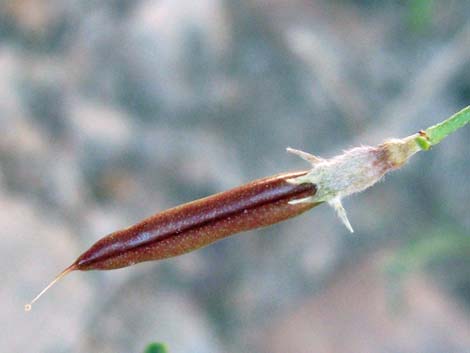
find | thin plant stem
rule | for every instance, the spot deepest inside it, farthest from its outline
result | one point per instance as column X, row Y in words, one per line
column 435, row 134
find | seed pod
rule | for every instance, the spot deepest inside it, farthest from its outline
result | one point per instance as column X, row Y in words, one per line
column 196, row 224
column 259, row 203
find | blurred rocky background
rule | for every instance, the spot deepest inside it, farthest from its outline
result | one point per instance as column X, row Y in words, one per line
column 113, row 110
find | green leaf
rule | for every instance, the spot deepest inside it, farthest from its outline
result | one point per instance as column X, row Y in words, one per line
column 156, row 348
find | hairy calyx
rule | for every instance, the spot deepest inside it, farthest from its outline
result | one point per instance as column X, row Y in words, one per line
column 353, row 171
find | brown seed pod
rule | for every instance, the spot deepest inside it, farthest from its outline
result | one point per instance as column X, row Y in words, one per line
column 259, row 203
column 196, row 224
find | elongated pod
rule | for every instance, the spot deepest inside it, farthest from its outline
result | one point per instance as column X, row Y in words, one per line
column 259, row 203
column 199, row 223
column 196, row 224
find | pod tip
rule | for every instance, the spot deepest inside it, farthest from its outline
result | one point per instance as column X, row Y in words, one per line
column 69, row 269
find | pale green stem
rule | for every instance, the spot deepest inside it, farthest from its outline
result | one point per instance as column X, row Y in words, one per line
column 435, row 134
